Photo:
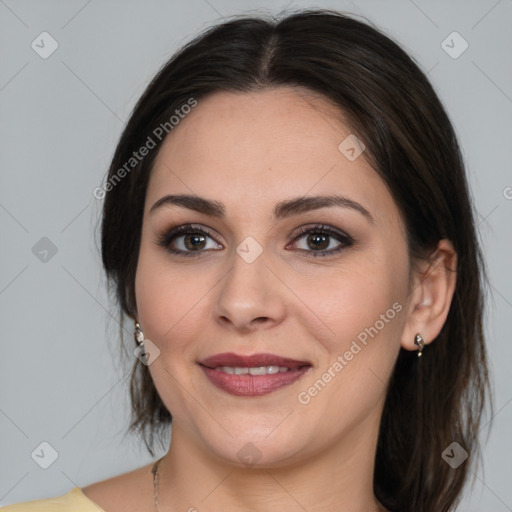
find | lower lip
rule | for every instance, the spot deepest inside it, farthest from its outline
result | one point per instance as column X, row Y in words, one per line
column 252, row 385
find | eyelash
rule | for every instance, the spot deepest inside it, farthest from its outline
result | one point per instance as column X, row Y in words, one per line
column 168, row 237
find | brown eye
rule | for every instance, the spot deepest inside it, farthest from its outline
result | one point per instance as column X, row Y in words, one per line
column 322, row 241
column 194, row 241
column 188, row 240
column 318, row 241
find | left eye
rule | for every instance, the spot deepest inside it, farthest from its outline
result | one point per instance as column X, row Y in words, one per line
column 317, row 241
column 322, row 241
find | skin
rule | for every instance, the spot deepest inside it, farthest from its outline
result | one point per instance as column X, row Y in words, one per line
column 250, row 151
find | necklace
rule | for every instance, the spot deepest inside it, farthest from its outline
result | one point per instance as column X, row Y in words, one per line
column 154, row 471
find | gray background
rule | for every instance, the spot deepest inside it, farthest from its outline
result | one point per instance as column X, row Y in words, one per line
column 61, row 380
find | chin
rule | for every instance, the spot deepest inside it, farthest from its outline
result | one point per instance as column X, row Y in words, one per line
column 251, row 448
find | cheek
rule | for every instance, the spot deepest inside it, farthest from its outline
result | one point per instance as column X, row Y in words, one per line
column 155, row 290
column 363, row 311
column 170, row 311
column 353, row 302
column 171, row 301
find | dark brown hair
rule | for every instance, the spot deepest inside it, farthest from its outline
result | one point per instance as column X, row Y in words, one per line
column 410, row 142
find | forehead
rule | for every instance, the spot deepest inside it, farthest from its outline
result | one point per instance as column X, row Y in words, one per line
column 251, row 150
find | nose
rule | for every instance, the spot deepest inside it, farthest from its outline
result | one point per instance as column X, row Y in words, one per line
column 249, row 297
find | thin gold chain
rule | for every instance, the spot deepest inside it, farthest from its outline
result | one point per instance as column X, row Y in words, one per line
column 154, row 470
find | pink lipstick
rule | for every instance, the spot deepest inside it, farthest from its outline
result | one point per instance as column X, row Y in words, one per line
column 254, row 375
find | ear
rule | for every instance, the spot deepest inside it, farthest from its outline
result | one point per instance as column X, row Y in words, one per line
column 431, row 296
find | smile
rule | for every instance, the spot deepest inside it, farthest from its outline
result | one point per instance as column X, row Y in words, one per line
column 256, row 370
column 253, row 375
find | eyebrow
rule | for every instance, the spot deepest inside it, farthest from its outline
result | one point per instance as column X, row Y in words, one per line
column 282, row 210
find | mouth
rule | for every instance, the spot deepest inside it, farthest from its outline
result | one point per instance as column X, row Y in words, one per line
column 254, row 375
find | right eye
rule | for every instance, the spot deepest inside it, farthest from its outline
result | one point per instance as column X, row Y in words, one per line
column 187, row 239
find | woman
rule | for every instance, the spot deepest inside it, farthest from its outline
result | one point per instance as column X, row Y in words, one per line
column 287, row 223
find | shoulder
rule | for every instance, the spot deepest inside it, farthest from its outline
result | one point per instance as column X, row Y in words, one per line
column 123, row 493
column 73, row 501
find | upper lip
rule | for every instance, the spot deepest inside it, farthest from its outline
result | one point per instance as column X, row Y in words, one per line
column 252, row 361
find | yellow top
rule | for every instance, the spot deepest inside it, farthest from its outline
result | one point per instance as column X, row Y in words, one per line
column 74, row 501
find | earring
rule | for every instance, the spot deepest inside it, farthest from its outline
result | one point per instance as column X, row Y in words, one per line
column 138, row 335
column 419, row 342
column 141, row 350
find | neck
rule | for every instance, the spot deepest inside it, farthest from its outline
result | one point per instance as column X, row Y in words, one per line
column 340, row 479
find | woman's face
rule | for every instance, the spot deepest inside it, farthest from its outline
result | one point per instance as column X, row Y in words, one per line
column 269, row 267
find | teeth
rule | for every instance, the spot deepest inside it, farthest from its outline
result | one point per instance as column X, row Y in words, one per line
column 258, row 370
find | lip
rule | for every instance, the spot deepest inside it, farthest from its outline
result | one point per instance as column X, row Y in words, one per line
column 252, row 385
column 231, row 359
